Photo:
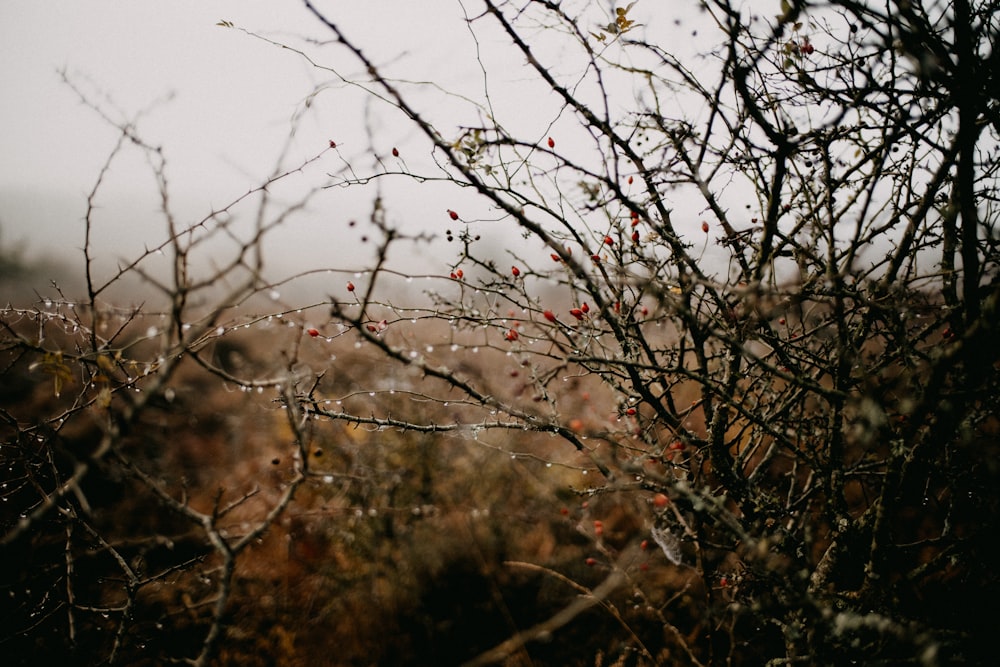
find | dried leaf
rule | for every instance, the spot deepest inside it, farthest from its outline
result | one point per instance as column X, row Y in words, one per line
column 669, row 543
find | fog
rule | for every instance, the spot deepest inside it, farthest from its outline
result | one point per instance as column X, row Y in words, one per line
column 229, row 109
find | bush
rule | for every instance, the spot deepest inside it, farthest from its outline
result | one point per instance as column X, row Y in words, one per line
column 731, row 399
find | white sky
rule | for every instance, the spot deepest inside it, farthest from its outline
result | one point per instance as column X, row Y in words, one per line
column 231, row 101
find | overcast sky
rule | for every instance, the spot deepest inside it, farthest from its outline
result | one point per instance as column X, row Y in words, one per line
column 218, row 101
column 221, row 104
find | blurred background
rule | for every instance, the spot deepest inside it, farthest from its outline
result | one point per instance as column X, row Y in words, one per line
column 229, row 109
column 221, row 104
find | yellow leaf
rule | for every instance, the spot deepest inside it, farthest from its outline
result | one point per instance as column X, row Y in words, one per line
column 105, row 364
column 52, row 363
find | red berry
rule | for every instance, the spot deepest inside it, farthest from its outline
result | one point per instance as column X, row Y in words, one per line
column 511, row 335
column 660, row 500
column 591, row 562
column 631, row 411
column 555, row 257
column 608, row 240
column 515, row 271
column 577, row 313
column 459, row 273
column 549, row 315
column 395, row 153
column 644, row 545
column 585, row 307
column 333, row 144
column 552, row 142
column 564, row 511
column 635, row 237
column 452, row 214
column 704, row 227
column 312, row 332
column 630, row 180
column 350, row 286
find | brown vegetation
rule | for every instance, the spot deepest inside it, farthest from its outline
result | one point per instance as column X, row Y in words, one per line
column 605, row 449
